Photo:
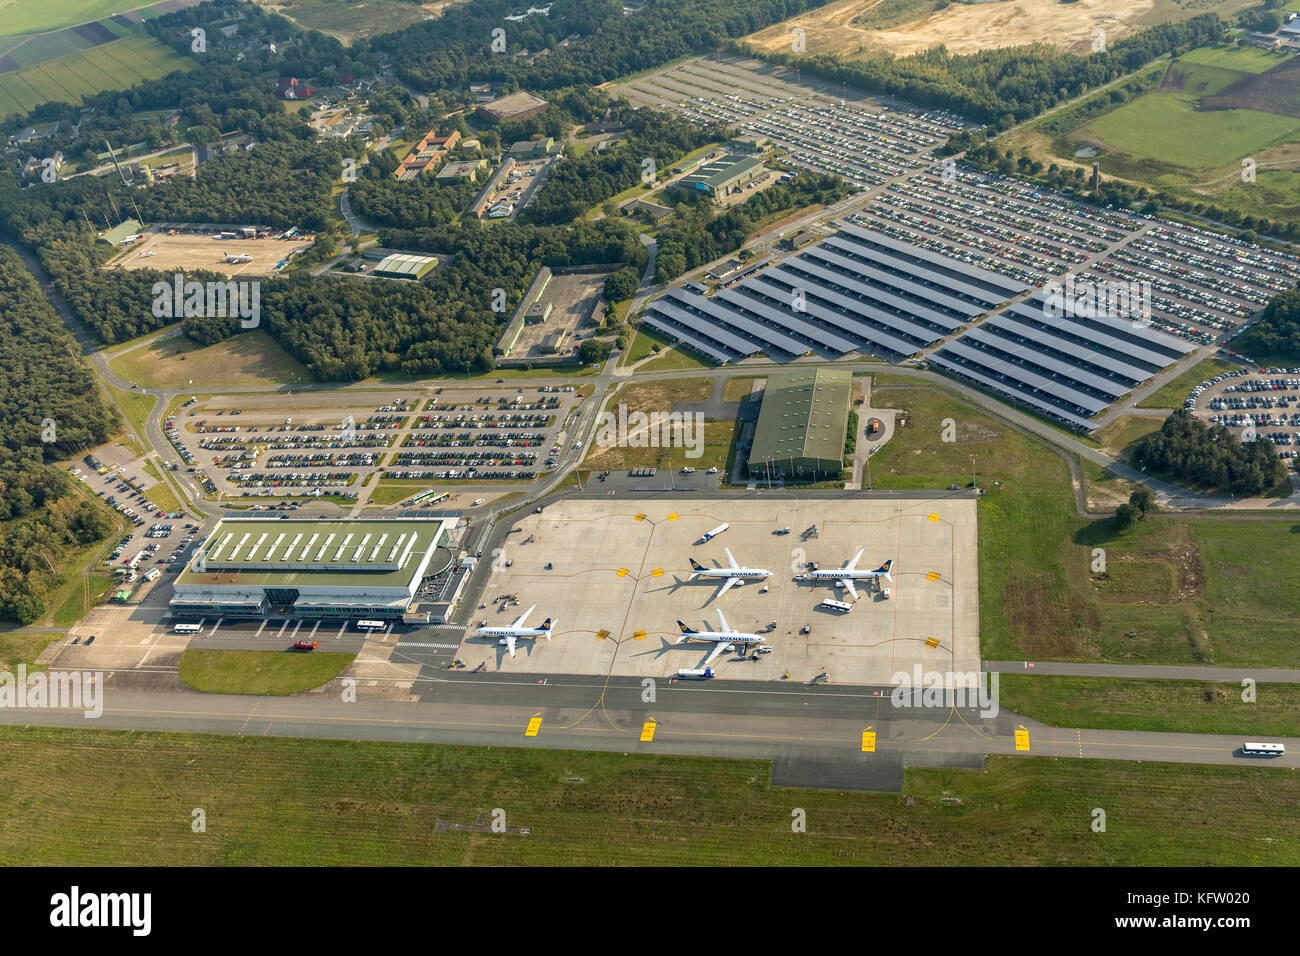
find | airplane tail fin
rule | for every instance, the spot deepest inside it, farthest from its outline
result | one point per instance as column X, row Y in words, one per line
column 686, row 631
column 696, row 568
column 549, row 625
column 884, row 569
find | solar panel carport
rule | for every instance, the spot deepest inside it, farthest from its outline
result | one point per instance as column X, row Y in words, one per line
column 686, row 338
column 1000, row 285
column 746, row 297
column 741, row 323
column 989, row 381
column 853, row 316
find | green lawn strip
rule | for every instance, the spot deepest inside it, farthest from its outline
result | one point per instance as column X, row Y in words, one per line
column 1174, row 706
column 259, row 672
column 272, row 801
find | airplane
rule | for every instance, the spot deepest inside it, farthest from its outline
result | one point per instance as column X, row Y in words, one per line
column 725, row 639
column 231, row 257
column 509, row 633
column 846, row 575
column 734, row 574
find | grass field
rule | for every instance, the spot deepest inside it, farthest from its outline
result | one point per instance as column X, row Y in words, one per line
column 1175, row 706
column 1119, row 436
column 669, row 358
column 661, row 397
column 1173, row 394
column 739, row 387
column 1173, row 591
column 247, row 358
column 1169, row 138
column 112, row 66
column 339, row 803
column 259, row 672
column 136, row 406
column 22, row 647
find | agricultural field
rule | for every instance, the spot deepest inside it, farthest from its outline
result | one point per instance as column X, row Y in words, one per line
column 663, row 397
column 1213, row 108
column 1171, row 591
column 322, row 803
column 117, row 65
column 18, row 17
column 859, row 28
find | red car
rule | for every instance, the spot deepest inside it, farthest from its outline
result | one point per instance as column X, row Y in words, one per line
column 305, row 645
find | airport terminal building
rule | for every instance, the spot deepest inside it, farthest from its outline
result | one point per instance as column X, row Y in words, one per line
column 311, row 569
column 801, row 425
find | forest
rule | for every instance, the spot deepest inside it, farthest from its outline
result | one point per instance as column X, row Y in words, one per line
column 1193, row 453
column 51, row 408
column 699, row 233
column 1276, row 335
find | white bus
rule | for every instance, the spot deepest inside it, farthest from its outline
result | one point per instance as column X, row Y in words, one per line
column 1263, row 750
column 371, row 625
column 836, row 605
column 187, row 629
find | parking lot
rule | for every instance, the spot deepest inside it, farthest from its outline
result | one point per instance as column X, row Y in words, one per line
column 1254, row 405
column 320, row 445
column 618, row 583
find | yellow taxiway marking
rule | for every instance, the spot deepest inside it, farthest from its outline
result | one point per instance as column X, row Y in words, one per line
column 932, row 576
column 640, row 517
column 623, row 572
column 638, row 635
column 868, row 741
column 673, row 516
column 657, row 573
column 648, row 731
column 932, row 642
column 602, row 634
column 534, row 725
column 1022, row 739
column 933, row 517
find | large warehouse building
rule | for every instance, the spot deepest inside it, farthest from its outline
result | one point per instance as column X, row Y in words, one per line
column 331, row 569
column 724, row 175
column 801, row 425
column 513, row 108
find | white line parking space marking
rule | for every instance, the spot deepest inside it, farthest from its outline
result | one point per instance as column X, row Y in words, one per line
column 260, row 628
column 445, row 647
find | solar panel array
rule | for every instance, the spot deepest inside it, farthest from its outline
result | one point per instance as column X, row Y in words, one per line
column 856, row 291
column 1068, row 367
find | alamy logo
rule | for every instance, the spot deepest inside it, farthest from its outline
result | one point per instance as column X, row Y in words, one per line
column 73, row 909
column 1092, row 300
column 945, row 689
column 211, row 300
column 655, row 430
column 59, row 690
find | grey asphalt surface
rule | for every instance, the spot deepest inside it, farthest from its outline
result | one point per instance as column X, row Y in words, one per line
column 812, row 733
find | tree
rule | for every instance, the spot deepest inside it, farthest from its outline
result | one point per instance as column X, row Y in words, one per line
column 1126, row 516
column 594, row 350
column 1143, row 499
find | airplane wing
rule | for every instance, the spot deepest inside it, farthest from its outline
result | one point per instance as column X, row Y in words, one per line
column 847, row 584
column 730, row 559
column 722, row 620
column 718, row 648
column 852, row 565
column 519, row 621
column 510, row 644
column 727, row 586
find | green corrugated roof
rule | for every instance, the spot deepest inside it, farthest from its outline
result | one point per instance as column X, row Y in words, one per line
column 722, row 171
column 803, row 415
